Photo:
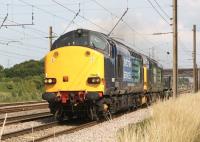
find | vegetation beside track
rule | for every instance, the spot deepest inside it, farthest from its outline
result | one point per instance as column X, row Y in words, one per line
column 176, row 120
column 22, row 82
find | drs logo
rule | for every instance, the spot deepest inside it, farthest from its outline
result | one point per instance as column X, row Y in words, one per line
column 127, row 69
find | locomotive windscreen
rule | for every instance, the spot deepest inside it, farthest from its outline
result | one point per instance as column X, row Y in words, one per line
column 74, row 38
column 83, row 38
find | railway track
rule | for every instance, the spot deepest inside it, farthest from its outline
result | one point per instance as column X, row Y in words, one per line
column 22, row 107
column 65, row 131
column 65, row 128
column 182, row 91
column 26, row 133
column 25, row 118
column 20, row 103
column 25, row 106
column 29, row 132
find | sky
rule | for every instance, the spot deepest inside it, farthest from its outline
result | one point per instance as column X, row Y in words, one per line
column 142, row 20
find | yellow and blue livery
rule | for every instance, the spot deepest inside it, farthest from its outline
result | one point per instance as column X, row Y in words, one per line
column 90, row 74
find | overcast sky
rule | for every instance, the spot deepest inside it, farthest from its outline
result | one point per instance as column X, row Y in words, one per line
column 18, row 43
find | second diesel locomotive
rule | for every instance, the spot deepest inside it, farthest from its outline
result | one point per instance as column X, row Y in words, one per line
column 88, row 74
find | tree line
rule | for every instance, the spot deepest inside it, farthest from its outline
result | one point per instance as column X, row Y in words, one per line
column 22, row 70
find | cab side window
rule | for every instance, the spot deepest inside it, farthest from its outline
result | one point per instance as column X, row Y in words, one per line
column 112, row 50
column 119, row 66
column 96, row 41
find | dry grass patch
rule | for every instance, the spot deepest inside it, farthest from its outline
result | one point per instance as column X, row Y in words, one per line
column 175, row 120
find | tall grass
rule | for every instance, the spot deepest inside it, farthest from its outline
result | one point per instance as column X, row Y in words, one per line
column 175, row 120
column 18, row 89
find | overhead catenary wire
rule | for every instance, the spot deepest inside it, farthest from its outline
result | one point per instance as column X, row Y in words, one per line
column 4, row 20
column 72, row 21
column 185, row 47
column 18, row 24
column 10, row 53
column 47, row 12
column 104, row 8
column 10, row 56
column 81, row 16
column 41, row 38
column 160, row 7
column 43, row 5
column 130, row 27
column 187, row 52
column 14, row 53
column 23, row 43
column 37, row 30
column 41, row 9
column 157, row 11
column 23, row 46
column 120, row 19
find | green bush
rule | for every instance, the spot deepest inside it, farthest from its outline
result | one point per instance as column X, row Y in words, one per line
column 22, row 82
column 9, row 86
column 28, row 68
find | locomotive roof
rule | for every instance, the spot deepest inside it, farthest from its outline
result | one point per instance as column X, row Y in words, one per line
column 118, row 42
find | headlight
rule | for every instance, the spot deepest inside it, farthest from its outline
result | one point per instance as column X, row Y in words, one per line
column 45, row 81
column 94, row 80
column 50, row 81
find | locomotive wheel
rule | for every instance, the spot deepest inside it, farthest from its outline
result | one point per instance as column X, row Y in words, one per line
column 149, row 100
column 93, row 113
column 59, row 115
column 107, row 115
column 106, row 112
column 53, row 107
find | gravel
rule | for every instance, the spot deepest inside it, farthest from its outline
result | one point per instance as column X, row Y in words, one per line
column 24, row 125
column 106, row 131
column 103, row 132
column 38, row 134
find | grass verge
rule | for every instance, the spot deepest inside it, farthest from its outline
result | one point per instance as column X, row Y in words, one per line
column 18, row 89
column 175, row 120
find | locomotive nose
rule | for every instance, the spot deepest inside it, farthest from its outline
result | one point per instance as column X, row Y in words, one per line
column 74, row 68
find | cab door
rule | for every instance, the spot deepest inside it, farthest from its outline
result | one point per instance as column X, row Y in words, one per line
column 110, row 67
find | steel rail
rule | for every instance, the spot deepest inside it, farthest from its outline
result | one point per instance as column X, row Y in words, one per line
column 28, row 130
column 83, row 126
column 58, row 133
column 66, row 131
column 184, row 91
column 74, row 129
column 20, row 103
column 80, row 126
column 24, row 118
column 11, row 109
